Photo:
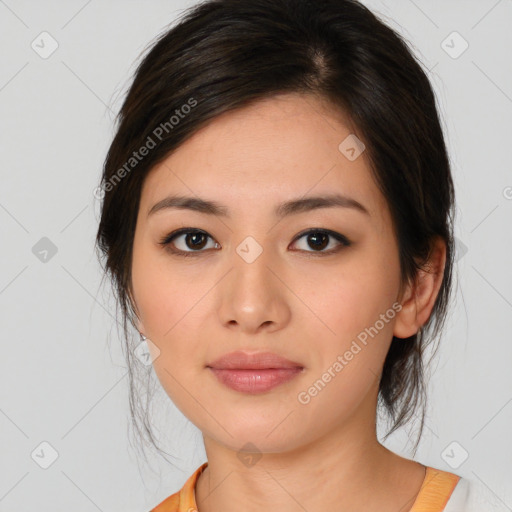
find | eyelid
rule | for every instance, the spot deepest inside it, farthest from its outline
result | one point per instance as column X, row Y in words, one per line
column 342, row 239
column 167, row 240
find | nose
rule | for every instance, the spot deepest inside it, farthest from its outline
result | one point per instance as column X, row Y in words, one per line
column 253, row 296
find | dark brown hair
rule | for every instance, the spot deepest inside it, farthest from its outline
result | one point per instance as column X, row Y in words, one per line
column 223, row 55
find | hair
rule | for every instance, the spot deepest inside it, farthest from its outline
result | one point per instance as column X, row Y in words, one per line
column 223, row 55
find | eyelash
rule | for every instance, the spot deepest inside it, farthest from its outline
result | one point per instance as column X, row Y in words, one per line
column 166, row 241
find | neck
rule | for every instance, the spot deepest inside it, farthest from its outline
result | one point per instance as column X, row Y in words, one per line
column 346, row 469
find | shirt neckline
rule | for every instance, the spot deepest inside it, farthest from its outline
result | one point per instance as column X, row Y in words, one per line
column 434, row 493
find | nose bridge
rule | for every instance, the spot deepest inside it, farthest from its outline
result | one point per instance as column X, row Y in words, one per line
column 251, row 267
column 252, row 295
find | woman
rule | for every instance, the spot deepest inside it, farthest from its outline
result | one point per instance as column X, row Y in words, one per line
column 278, row 223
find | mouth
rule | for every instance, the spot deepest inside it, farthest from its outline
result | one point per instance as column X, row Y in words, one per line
column 254, row 373
column 241, row 360
column 255, row 381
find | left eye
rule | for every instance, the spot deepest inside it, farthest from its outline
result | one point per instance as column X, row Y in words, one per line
column 319, row 239
column 195, row 240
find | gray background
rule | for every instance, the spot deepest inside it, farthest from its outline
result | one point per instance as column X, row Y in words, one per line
column 62, row 384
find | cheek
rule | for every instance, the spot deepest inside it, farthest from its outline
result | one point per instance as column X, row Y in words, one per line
column 171, row 312
column 357, row 308
column 350, row 297
column 354, row 302
column 165, row 297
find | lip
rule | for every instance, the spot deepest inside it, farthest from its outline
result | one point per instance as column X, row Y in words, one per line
column 241, row 360
column 254, row 373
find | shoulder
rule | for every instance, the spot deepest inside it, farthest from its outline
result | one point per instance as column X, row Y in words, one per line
column 170, row 504
column 184, row 499
column 473, row 496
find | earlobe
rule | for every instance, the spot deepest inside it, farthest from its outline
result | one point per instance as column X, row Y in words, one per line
column 404, row 325
column 420, row 295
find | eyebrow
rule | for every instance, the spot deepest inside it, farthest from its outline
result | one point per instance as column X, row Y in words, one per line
column 291, row 207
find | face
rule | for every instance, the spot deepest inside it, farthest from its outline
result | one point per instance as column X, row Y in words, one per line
column 316, row 285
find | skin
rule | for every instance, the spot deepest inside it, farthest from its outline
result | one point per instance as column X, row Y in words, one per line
column 291, row 300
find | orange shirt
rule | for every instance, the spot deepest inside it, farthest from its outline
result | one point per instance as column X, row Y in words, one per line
column 434, row 493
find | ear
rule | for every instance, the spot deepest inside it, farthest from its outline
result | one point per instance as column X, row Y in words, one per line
column 419, row 296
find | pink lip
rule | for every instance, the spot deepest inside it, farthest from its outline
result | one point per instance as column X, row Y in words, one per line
column 240, row 360
column 254, row 373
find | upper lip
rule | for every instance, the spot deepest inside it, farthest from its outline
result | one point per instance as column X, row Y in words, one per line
column 240, row 360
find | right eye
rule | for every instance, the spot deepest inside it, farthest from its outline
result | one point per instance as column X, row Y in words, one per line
column 193, row 239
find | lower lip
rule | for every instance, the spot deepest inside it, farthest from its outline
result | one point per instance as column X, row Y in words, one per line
column 255, row 381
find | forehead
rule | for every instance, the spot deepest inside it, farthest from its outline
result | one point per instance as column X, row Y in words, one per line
column 276, row 148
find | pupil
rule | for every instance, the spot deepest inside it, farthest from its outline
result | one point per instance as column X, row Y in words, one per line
column 316, row 236
column 194, row 240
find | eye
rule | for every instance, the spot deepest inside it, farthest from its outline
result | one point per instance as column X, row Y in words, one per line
column 319, row 239
column 195, row 239
column 192, row 238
